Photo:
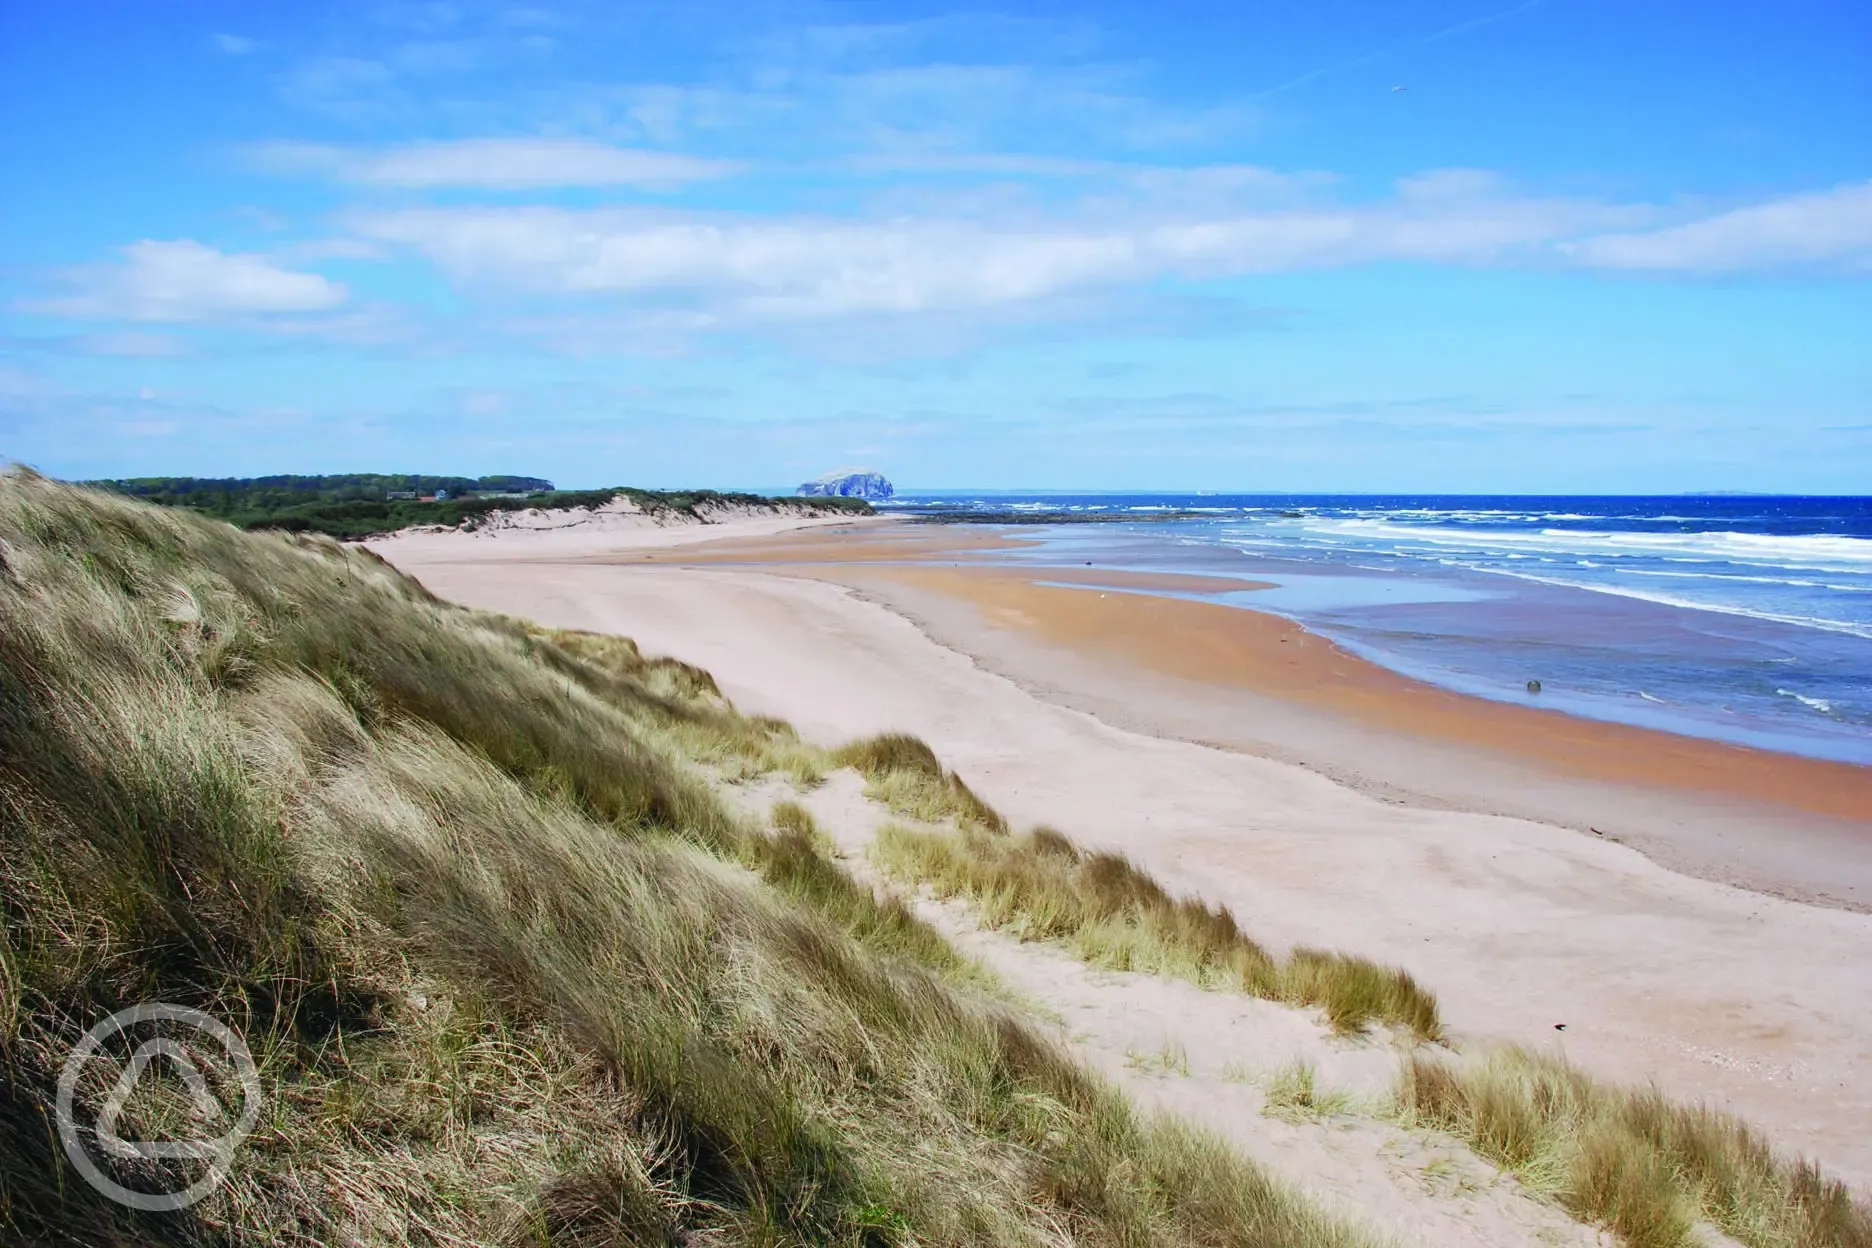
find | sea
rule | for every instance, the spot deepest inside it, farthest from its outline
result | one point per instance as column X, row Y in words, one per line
column 1740, row 618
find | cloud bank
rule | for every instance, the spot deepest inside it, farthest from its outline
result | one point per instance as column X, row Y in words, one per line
column 183, row 280
column 752, row 267
column 1831, row 227
column 713, row 269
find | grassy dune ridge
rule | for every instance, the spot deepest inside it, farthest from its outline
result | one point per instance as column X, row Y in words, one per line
column 1646, row 1168
column 511, row 971
column 1631, row 1159
column 1040, row 886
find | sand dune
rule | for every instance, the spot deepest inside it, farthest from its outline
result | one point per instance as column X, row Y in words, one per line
column 561, row 533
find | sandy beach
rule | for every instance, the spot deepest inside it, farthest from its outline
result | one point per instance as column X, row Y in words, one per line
column 1247, row 680
column 1655, row 907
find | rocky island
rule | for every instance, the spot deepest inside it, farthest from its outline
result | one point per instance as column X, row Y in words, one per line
column 850, row 483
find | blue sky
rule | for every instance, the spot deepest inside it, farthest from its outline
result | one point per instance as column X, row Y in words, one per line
column 1563, row 245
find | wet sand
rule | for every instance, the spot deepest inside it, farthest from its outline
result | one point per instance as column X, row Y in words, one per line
column 1216, row 644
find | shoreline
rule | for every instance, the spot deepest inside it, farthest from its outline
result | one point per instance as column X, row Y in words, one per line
column 1231, row 644
column 1777, row 824
column 1233, row 677
column 1477, row 635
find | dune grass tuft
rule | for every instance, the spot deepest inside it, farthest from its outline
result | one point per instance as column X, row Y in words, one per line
column 1293, row 1093
column 1631, row 1160
column 512, row 971
column 1041, row 887
column 906, row 775
column 796, row 860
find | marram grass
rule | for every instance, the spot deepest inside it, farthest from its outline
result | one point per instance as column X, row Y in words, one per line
column 906, row 775
column 512, row 972
column 1039, row 886
column 1633, row 1161
column 1293, row 1092
column 1644, row 1167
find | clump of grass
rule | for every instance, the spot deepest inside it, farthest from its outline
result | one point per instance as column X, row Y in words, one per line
column 1168, row 1059
column 1041, row 887
column 796, row 860
column 1353, row 990
column 679, row 706
column 511, row 970
column 1631, row 1160
column 1293, row 1092
column 792, row 819
column 906, row 775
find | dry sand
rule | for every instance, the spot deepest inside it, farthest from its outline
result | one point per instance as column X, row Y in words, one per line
column 1753, row 1002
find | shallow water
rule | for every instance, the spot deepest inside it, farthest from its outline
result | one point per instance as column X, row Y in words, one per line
column 1740, row 619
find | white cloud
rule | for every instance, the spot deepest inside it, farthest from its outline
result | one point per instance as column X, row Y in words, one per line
column 495, row 164
column 183, row 280
column 741, row 267
column 770, row 268
column 234, row 45
column 720, row 269
column 1827, row 227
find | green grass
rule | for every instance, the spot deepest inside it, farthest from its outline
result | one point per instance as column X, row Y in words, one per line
column 1039, row 886
column 1631, row 1160
column 512, row 971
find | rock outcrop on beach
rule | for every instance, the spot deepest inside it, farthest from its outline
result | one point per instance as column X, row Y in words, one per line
column 851, row 483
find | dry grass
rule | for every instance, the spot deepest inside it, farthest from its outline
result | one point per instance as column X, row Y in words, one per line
column 796, row 860
column 1041, row 887
column 905, row 774
column 1633, row 1161
column 512, row 971
column 1293, row 1093
column 1170, row 1058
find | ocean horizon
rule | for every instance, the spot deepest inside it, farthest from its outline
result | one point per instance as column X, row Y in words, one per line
column 1744, row 618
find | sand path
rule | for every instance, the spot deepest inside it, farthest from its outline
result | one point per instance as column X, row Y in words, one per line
column 1208, row 1057
column 1759, row 1005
